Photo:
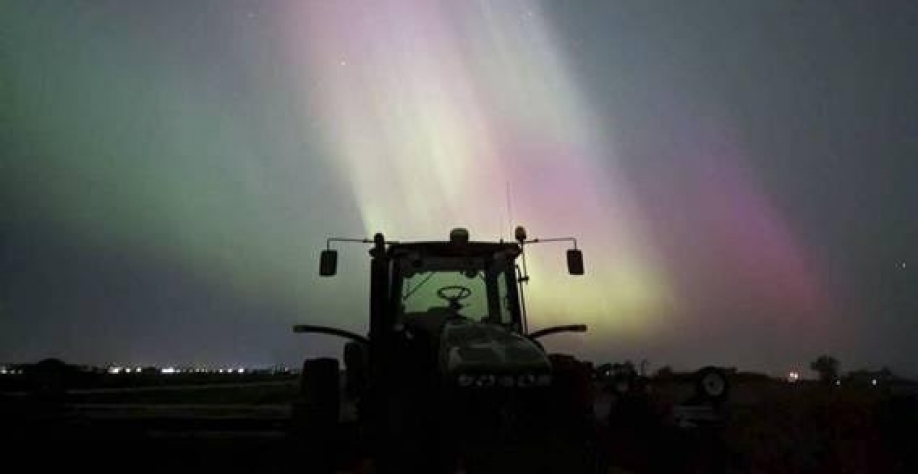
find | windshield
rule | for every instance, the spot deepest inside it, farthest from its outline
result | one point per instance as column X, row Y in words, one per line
column 468, row 289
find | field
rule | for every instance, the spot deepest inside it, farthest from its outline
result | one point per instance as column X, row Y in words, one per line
column 775, row 427
column 240, row 425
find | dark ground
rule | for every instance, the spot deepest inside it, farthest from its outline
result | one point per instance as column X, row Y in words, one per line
column 770, row 427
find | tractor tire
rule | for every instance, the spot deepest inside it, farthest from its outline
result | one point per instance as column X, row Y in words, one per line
column 314, row 415
column 712, row 385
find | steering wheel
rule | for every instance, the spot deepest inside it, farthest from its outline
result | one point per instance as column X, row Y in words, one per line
column 459, row 293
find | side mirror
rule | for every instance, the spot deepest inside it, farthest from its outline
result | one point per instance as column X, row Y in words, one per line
column 575, row 262
column 328, row 264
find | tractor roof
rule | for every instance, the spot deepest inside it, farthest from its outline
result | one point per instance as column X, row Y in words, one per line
column 453, row 249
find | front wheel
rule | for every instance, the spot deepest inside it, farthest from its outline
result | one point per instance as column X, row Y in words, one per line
column 314, row 415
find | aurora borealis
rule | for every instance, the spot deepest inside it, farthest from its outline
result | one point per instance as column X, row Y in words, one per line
column 742, row 185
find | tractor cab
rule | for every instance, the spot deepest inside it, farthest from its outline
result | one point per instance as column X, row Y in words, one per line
column 472, row 281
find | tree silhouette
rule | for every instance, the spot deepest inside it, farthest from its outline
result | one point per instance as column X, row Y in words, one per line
column 827, row 368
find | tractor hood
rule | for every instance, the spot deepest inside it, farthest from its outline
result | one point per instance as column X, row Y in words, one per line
column 484, row 354
column 468, row 346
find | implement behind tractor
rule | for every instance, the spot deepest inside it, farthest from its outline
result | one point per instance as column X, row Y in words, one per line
column 449, row 377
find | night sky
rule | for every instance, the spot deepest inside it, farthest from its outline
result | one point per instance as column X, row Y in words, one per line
column 742, row 175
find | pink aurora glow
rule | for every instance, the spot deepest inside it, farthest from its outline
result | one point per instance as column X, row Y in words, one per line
column 429, row 111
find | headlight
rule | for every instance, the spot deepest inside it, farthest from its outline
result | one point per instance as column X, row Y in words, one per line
column 485, row 381
column 526, row 380
column 543, row 380
column 465, row 380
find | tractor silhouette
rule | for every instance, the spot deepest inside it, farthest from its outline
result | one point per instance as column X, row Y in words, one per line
column 449, row 377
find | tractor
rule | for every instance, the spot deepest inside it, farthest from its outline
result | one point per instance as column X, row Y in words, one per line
column 449, row 377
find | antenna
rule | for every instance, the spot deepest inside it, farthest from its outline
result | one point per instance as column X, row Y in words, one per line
column 509, row 211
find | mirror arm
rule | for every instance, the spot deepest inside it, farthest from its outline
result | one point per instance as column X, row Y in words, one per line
column 345, row 239
column 359, row 241
column 313, row 329
column 556, row 239
column 557, row 329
